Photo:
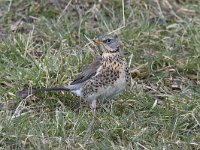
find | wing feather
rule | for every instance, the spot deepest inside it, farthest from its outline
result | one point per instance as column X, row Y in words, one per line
column 88, row 72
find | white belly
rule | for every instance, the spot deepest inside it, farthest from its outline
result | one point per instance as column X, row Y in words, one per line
column 111, row 91
column 77, row 92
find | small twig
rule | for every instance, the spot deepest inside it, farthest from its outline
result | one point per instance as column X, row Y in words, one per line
column 193, row 115
column 90, row 41
column 64, row 10
column 160, row 10
column 116, row 29
column 18, row 110
column 123, row 15
column 30, row 36
column 9, row 6
column 130, row 61
column 142, row 146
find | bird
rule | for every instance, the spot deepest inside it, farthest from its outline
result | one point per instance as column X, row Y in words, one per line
column 106, row 77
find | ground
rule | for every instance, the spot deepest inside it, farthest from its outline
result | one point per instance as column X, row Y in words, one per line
column 47, row 43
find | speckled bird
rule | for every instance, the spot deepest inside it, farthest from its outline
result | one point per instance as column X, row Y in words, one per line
column 106, row 77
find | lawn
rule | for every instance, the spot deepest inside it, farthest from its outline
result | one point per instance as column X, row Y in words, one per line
column 47, row 43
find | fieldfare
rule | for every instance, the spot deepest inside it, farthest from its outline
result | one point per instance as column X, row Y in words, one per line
column 103, row 79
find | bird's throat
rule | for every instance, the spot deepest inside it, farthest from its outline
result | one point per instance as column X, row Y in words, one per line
column 110, row 56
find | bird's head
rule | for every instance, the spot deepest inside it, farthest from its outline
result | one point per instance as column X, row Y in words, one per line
column 107, row 44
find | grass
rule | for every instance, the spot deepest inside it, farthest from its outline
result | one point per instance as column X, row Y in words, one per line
column 46, row 43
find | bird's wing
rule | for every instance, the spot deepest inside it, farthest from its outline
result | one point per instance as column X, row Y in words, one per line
column 88, row 72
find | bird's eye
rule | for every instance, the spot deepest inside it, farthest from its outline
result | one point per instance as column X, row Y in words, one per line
column 107, row 41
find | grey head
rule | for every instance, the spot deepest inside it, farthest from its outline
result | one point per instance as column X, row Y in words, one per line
column 107, row 44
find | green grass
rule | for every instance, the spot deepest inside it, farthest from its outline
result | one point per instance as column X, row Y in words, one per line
column 45, row 43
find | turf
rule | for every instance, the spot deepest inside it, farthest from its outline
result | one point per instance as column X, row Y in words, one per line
column 47, row 43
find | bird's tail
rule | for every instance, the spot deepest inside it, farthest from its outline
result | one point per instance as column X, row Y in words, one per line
column 62, row 88
column 27, row 92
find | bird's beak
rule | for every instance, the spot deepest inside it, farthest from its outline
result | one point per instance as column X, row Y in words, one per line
column 98, row 42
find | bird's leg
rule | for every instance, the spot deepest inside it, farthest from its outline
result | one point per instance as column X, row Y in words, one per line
column 93, row 105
